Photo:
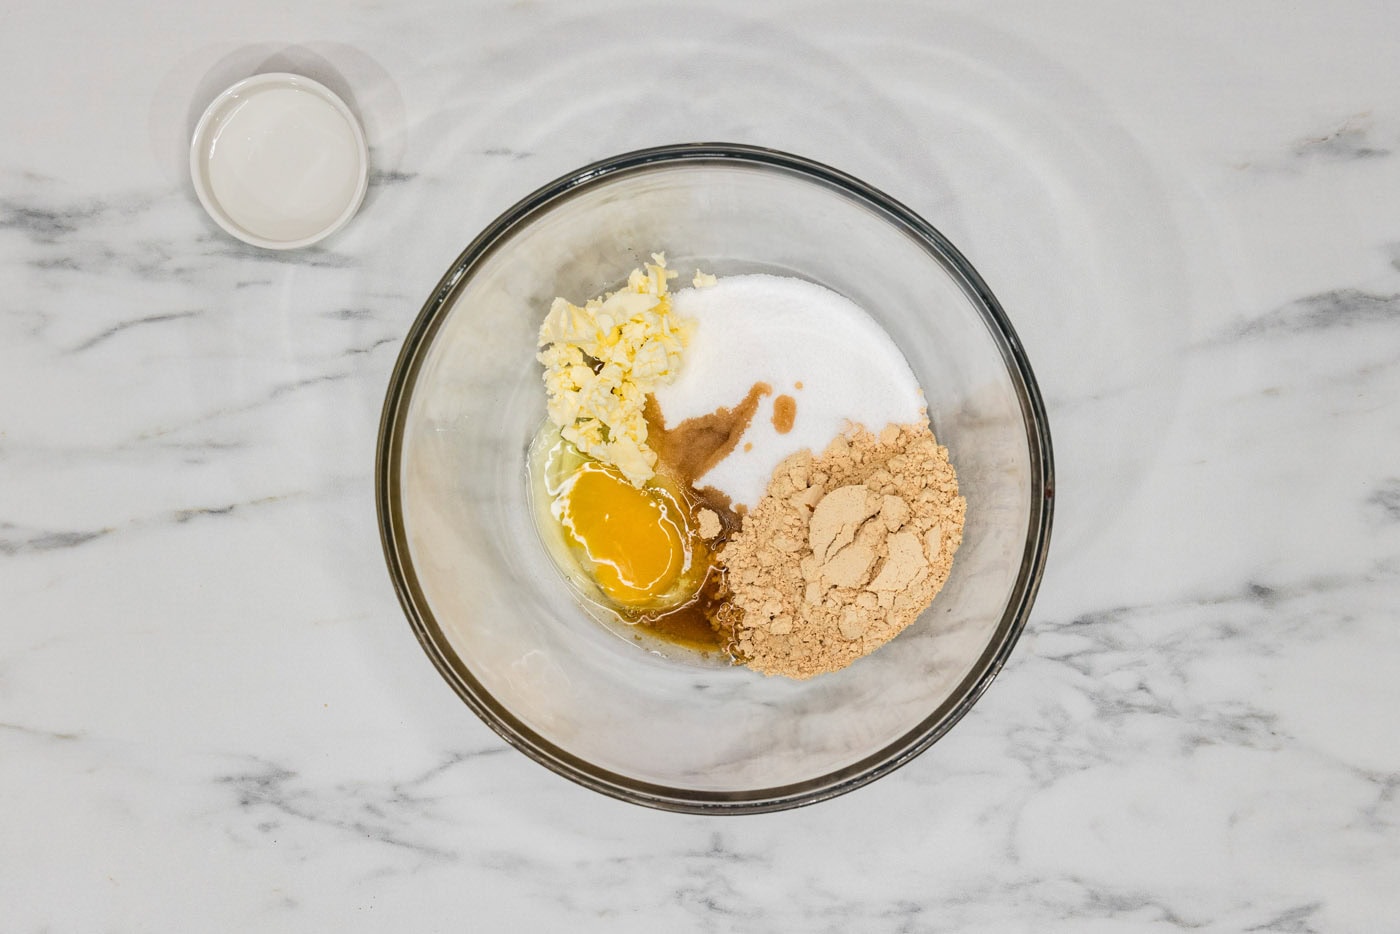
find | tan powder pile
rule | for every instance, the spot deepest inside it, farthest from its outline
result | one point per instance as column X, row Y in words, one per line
column 845, row 550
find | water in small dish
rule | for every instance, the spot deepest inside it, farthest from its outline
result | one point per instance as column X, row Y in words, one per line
column 283, row 162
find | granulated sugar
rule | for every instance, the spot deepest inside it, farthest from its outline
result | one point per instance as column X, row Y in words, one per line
column 807, row 343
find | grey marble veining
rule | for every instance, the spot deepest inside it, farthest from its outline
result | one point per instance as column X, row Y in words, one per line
column 213, row 716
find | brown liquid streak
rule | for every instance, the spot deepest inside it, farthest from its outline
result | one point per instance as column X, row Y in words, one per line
column 784, row 413
column 686, row 453
column 695, row 445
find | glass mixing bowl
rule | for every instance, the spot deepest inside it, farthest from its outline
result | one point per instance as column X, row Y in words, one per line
column 495, row 615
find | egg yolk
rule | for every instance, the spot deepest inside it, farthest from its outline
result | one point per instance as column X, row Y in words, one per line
column 635, row 538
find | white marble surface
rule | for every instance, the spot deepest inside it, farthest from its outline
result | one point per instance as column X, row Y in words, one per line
column 213, row 717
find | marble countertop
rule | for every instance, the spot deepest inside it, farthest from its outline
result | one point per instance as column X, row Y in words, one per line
column 213, row 716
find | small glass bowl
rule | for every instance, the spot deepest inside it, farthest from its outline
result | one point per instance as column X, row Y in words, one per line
column 494, row 614
column 279, row 161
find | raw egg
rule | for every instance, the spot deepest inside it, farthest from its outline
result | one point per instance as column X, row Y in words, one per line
column 637, row 541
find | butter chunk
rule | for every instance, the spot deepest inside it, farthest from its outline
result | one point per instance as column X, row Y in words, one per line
column 601, row 361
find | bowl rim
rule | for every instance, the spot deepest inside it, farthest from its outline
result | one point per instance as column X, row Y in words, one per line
column 458, row 675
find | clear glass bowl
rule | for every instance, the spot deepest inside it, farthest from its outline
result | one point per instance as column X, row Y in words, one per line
column 493, row 612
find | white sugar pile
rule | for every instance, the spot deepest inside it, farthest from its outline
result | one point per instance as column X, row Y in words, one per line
column 784, row 332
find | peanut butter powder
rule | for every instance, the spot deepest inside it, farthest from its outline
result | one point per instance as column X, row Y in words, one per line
column 844, row 550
